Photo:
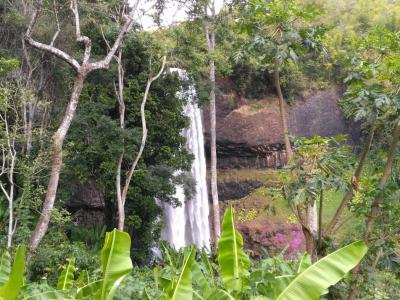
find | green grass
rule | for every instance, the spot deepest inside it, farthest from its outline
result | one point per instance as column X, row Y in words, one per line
column 266, row 176
column 331, row 203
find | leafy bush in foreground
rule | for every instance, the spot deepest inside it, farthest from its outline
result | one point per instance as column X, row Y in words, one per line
column 185, row 277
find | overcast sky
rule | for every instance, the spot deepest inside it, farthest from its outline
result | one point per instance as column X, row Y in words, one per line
column 173, row 13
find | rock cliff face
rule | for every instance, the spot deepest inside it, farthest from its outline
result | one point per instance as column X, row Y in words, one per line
column 88, row 204
column 250, row 134
column 249, row 142
column 318, row 113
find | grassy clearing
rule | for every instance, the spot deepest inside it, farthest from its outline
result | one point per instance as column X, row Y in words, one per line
column 266, row 176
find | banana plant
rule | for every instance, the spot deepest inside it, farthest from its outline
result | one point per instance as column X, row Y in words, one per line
column 182, row 287
column 66, row 279
column 115, row 261
column 233, row 261
column 12, row 285
column 5, row 267
column 315, row 279
column 116, row 264
column 309, row 281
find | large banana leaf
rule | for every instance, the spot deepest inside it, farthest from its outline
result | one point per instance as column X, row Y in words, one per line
column 199, row 279
column 326, row 272
column 116, row 263
column 304, row 263
column 219, row 294
column 233, row 261
column 48, row 295
column 5, row 267
column 14, row 283
column 208, row 266
column 66, row 279
column 83, row 279
column 182, row 288
column 89, row 290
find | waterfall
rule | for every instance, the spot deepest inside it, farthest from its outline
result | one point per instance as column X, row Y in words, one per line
column 188, row 223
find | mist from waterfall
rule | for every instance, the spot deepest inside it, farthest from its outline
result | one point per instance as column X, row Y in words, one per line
column 188, row 223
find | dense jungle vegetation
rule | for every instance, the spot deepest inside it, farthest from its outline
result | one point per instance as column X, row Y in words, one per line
column 89, row 106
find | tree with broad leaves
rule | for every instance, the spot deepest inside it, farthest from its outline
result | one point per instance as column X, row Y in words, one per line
column 82, row 70
column 373, row 98
column 278, row 31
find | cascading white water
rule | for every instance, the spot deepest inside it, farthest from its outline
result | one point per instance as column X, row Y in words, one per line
column 188, row 223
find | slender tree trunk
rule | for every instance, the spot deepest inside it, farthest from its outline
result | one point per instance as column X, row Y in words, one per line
column 377, row 202
column 11, row 201
column 56, row 163
column 25, row 119
column 10, row 223
column 310, row 242
column 8, row 161
column 31, row 116
column 120, row 95
column 320, row 213
column 349, row 194
column 120, row 203
column 210, row 35
column 11, row 157
column 282, row 110
column 123, row 193
column 214, row 176
column 385, row 176
column 312, row 232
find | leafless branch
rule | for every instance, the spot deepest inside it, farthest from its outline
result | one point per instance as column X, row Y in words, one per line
column 105, row 62
column 53, row 40
column 48, row 48
column 79, row 37
column 144, row 129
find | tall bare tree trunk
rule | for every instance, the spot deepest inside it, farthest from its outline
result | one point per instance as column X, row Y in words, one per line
column 282, row 110
column 56, row 162
column 377, row 202
column 349, row 194
column 120, row 95
column 120, row 202
column 213, row 142
column 210, row 36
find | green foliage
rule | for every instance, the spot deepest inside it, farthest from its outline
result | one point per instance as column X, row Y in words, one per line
column 115, row 261
column 55, row 249
column 115, row 266
column 93, row 236
column 321, row 164
column 234, row 262
column 65, row 281
column 184, row 277
column 372, row 84
column 10, row 289
column 278, row 31
column 5, row 267
column 315, row 279
column 182, row 287
column 8, row 65
column 273, row 279
column 363, row 41
column 96, row 140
